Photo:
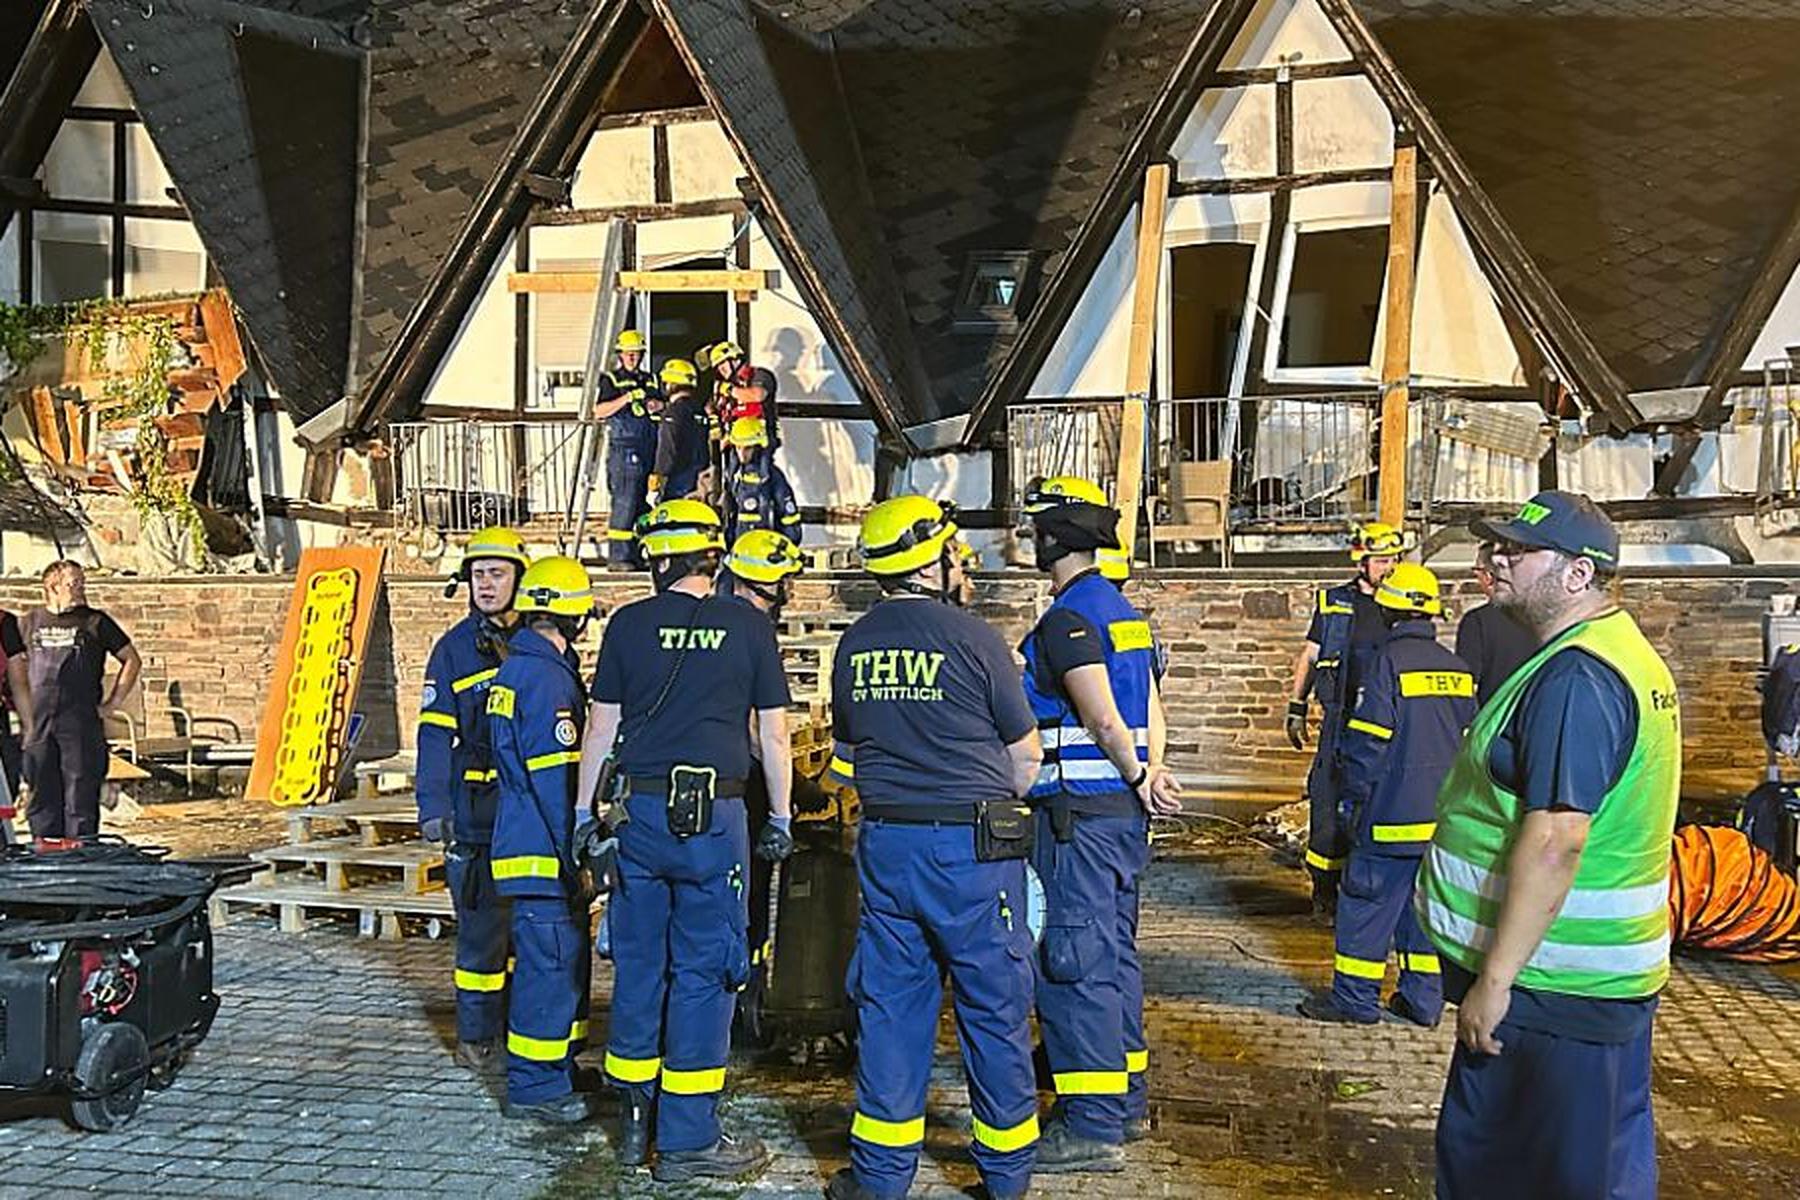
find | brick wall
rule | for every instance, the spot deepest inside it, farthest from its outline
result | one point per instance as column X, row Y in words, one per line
column 211, row 644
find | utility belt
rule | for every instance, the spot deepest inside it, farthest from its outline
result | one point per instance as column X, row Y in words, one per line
column 689, row 793
column 1003, row 828
column 1066, row 808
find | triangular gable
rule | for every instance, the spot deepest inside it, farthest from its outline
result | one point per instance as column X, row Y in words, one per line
column 788, row 128
column 1780, row 331
column 268, row 183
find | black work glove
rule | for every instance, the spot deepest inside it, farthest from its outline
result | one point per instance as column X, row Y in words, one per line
column 435, row 829
column 597, row 853
column 775, row 843
column 1296, row 723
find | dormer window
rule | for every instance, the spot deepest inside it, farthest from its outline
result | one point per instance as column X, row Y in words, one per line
column 996, row 288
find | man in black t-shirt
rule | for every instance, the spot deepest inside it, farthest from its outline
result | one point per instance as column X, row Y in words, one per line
column 679, row 676
column 13, row 697
column 66, row 647
column 932, row 726
column 1491, row 640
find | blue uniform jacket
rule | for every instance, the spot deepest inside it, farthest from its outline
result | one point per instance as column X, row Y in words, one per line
column 1334, row 673
column 762, row 498
column 1074, row 765
column 632, row 427
column 456, row 777
column 535, row 711
column 1416, row 701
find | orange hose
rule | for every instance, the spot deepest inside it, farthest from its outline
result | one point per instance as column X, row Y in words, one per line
column 1728, row 898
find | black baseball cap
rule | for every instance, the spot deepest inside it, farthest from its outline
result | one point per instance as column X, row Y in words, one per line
column 1553, row 520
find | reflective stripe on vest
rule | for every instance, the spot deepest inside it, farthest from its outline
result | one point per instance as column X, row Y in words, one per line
column 526, row 866
column 1610, row 939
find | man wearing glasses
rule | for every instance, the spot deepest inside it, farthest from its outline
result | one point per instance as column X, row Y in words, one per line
column 1545, row 887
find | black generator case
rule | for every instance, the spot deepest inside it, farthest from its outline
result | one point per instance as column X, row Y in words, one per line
column 101, row 1000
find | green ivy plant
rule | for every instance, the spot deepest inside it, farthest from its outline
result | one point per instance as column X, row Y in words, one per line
column 146, row 344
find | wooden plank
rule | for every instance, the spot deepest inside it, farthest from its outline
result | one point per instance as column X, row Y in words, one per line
column 227, row 350
column 1396, row 358
column 49, row 432
column 1138, row 355
column 367, row 562
column 583, row 282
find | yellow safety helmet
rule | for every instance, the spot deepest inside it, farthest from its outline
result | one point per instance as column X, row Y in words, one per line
column 679, row 372
column 680, row 527
column 630, row 340
column 903, row 534
column 1059, row 490
column 1114, row 563
column 557, row 585
column 764, row 556
column 748, row 431
column 1375, row 539
column 496, row 541
column 722, row 351
column 1410, row 587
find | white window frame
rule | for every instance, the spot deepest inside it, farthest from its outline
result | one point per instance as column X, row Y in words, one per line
column 1365, row 375
column 1254, row 234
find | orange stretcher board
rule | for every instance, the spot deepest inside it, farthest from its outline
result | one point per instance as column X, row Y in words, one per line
column 303, row 737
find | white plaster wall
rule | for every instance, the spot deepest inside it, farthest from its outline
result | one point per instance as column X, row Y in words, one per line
column 1294, row 30
column 1340, row 125
column 786, row 339
column 966, row 477
column 669, row 243
column 1088, row 357
column 79, row 163
column 830, row 461
column 618, row 167
column 1458, row 334
column 104, row 87
column 1781, row 331
column 9, row 263
column 1230, row 134
column 702, row 163
column 478, row 370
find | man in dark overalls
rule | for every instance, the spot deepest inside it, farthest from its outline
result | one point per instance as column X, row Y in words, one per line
column 1346, row 627
column 683, row 445
column 625, row 399
column 458, row 786
column 66, row 647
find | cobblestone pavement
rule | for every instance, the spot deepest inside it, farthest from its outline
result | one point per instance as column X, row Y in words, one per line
column 328, row 1074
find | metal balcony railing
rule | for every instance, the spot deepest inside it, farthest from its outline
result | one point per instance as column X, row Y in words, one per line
column 459, row 476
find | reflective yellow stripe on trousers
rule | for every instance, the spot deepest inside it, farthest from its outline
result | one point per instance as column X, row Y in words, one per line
column 1359, row 968
column 537, row 1049
column 693, row 1083
column 480, row 981
column 632, row 1070
column 877, row 1132
column 1092, row 1083
column 1016, row 1137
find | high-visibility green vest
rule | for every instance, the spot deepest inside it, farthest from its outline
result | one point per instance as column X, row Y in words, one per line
column 1611, row 938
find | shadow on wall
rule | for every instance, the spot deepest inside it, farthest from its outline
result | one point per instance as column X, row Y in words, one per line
column 802, row 372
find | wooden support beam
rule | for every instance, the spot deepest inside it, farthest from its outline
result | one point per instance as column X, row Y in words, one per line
column 1138, row 356
column 1396, row 358
column 584, row 282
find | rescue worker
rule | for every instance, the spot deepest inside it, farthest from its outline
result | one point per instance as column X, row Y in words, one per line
column 1090, row 679
column 458, row 787
column 624, row 401
column 753, row 397
column 933, row 729
column 680, row 674
column 1346, row 627
column 535, row 714
column 682, row 441
column 1405, row 728
column 760, row 572
column 66, row 647
column 1546, row 886
column 14, row 698
column 758, row 494
column 1492, row 642
column 724, row 360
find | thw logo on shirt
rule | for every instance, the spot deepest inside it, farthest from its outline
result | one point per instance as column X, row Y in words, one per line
column 677, row 637
column 897, row 674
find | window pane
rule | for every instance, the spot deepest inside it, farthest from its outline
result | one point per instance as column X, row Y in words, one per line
column 145, row 180
column 72, row 271
column 79, row 164
column 150, row 271
column 995, row 285
column 1334, row 298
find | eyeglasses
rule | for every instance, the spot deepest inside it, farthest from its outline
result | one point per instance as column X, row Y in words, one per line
column 1512, row 551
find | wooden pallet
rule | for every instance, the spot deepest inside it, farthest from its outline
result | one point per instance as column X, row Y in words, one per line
column 347, row 862
column 375, row 820
column 380, row 908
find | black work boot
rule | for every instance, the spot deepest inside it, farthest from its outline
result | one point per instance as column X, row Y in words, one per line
column 482, row 1057
column 633, row 1146
column 1063, row 1151
column 728, row 1158
column 843, row 1186
column 1321, row 1007
column 571, row 1109
column 1403, row 1008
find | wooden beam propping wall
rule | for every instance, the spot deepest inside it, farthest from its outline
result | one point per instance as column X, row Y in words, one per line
column 1396, row 357
column 1138, row 358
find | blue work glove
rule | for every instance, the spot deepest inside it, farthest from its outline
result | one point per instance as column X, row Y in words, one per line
column 435, row 829
column 776, row 841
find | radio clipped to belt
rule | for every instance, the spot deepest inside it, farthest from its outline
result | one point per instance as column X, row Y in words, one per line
column 692, row 791
column 1003, row 830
